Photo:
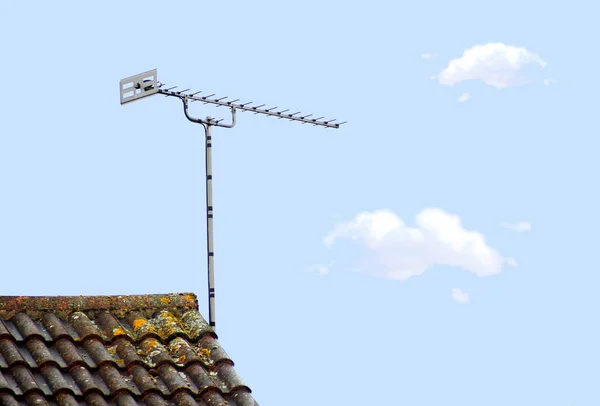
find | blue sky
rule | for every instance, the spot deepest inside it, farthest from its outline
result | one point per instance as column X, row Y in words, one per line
column 417, row 192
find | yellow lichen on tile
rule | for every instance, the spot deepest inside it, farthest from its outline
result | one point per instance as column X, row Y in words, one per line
column 169, row 324
column 152, row 344
column 165, row 300
column 137, row 323
column 176, row 344
column 119, row 331
column 205, row 352
column 189, row 298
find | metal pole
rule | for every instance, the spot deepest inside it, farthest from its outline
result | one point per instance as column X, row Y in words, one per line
column 210, row 253
column 209, row 225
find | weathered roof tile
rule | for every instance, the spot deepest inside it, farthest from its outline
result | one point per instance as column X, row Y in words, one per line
column 39, row 351
column 23, row 378
column 84, row 326
column 4, row 385
column 154, row 352
column 55, row 326
column 200, row 377
column 212, row 351
column 184, row 399
column 110, row 326
column 243, row 398
column 195, row 325
column 7, row 399
column 84, row 379
column 143, row 380
column 229, row 377
column 35, row 398
column 126, row 352
column 67, row 352
column 174, row 379
column 125, row 399
column 26, row 326
column 3, row 330
column 154, row 399
column 212, row 398
column 66, row 399
column 97, row 351
column 55, row 379
column 95, row 399
column 183, row 352
column 10, row 352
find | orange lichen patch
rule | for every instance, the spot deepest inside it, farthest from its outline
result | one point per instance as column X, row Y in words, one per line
column 205, row 355
column 152, row 344
column 176, row 344
column 181, row 359
column 151, row 350
column 148, row 346
column 147, row 328
column 119, row 331
column 179, row 348
column 190, row 298
column 165, row 300
column 138, row 323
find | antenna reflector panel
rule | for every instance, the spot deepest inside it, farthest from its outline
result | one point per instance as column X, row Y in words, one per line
column 138, row 86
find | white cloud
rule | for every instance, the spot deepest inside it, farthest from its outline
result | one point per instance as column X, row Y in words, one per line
column 496, row 64
column 397, row 251
column 463, row 97
column 518, row 227
column 428, row 56
column 550, row 81
column 319, row 269
column 460, row 296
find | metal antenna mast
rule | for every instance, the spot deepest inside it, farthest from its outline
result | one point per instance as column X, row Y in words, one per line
column 146, row 84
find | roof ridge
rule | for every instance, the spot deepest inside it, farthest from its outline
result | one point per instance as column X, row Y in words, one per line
column 184, row 301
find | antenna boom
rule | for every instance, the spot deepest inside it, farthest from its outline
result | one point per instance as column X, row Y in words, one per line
column 255, row 109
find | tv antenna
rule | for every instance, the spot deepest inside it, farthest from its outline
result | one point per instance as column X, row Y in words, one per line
column 146, row 84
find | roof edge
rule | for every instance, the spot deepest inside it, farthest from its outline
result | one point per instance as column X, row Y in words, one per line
column 183, row 301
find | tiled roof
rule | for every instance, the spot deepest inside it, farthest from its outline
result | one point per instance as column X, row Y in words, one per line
column 113, row 350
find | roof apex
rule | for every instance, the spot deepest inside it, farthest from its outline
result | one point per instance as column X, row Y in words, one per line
column 181, row 301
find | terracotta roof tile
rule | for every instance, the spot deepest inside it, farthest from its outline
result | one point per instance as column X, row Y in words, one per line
column 113, row 350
